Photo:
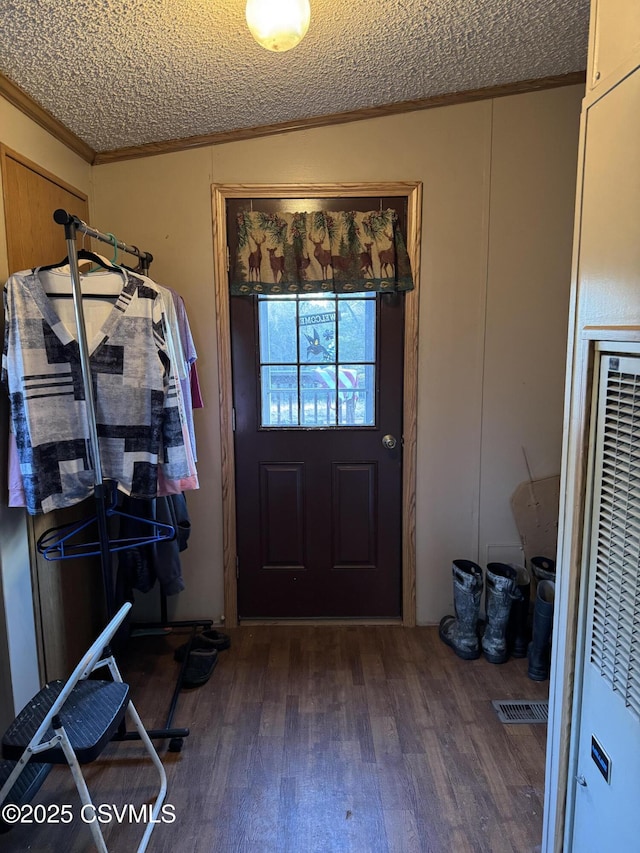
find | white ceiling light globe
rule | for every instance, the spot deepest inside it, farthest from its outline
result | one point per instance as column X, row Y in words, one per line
column 278, row 25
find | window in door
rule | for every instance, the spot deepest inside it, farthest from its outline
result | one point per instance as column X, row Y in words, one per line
column 317, row 360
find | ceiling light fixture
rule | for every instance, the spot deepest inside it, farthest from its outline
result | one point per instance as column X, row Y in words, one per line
column 278, row 25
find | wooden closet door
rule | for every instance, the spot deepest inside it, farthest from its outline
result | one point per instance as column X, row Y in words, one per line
column 31, row 195
column 67, row 594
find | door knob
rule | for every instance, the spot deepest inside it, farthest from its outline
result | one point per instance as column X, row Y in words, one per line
column 389, row 441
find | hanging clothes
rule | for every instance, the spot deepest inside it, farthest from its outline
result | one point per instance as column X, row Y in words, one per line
column 191, row 385
column 174, row 336
column 140, row 567
column 141, row 428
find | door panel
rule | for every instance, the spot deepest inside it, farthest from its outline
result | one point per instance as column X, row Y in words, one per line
column 281, row 515
column 355, row 497
column 319, row 498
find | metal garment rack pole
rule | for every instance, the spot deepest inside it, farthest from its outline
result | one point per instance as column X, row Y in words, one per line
column 72, row 226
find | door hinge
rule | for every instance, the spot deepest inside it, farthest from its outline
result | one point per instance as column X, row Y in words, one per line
column 237, row 567
column 233, row 419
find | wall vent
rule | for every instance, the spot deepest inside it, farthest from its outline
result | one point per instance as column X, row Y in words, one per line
column 615, row 640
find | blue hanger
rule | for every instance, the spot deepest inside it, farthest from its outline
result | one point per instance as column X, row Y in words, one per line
column 57, row 543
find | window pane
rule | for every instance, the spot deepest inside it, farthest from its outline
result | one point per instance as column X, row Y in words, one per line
column 303, row 384
column 356, row 395
column 279, row 393
column 317, row 324
column 357, row 330
column 318, row 396
column 277, row 331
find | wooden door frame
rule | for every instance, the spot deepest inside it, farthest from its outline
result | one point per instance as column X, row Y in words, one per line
column 412, row 191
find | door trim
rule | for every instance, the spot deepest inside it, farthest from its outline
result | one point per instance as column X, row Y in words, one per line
column 412, row 191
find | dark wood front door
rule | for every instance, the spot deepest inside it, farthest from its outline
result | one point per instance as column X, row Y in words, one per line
column 317, row 384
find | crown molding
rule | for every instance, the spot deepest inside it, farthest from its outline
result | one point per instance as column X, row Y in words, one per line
column 34, row 111
column 173, row 145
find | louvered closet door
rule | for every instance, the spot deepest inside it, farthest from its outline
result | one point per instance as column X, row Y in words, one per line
column 608, row 809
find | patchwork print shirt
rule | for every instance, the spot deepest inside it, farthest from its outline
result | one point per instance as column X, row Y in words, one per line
column 138, row 419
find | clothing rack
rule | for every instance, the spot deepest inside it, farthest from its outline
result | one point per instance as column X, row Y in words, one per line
column 103, row 492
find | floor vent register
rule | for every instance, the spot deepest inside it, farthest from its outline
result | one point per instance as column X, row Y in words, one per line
column 521, row 711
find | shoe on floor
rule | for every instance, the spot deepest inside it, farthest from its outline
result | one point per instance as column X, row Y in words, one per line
column 209, row 639
column 200, row 666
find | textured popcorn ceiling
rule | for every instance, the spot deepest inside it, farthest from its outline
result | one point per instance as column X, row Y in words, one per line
column 128, row 72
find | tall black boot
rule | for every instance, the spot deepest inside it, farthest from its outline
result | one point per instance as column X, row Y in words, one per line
column 543, row 568
column 461, row 631
column 518, row 633
column 540, row 644
column 501, row 591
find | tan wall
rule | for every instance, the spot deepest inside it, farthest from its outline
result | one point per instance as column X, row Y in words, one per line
column 163, row 205
column 499, row 188
column 19, row 678
column 533, row 179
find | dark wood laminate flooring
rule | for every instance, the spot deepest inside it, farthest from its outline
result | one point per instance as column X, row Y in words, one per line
column 321, row 740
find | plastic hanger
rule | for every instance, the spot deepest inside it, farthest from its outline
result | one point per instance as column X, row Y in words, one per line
column 114, row 259
column 142, row 266
column 57, row 543
column 87, row 255
column 97, row 288
column 84, row 255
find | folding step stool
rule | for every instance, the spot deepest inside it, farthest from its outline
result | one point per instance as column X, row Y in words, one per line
column 70, row 723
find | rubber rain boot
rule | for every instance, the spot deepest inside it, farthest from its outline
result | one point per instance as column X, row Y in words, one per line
column 518, row 633
column 501, row 591
column 540, row 645
column 543, row 568
column 461, row 631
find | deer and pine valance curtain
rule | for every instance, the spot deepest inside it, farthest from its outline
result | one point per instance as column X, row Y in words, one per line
column 320, row 252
